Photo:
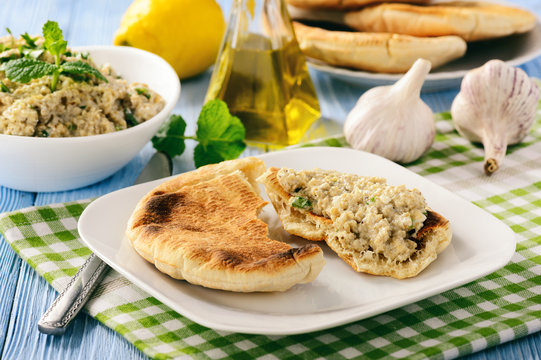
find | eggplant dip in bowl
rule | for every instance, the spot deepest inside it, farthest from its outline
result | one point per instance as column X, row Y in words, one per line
column 76, row 118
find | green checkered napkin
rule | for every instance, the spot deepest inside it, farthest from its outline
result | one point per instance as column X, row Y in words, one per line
column 499, row 307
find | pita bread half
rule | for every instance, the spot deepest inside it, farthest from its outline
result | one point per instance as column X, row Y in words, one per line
column 343, row 4
column 376, row 228
column 202, row 227
column 470, row 20
column 377, row 52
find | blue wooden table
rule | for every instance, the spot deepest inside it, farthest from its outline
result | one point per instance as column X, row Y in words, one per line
column 24, row 296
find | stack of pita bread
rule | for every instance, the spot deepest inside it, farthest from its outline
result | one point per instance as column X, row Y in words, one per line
column 202, row 227
column 389, row 36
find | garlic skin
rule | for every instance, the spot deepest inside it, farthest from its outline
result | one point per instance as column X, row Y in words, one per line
column 393, row 121
column 496, row 106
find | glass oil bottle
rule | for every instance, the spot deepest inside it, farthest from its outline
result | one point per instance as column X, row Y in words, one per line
column 262, row 75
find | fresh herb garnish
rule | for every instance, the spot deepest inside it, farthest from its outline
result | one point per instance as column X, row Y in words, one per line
column 30, row 42
column 54, row 40
column 80, row 68
column 29, row 49
column 220, row 135
column 143, row 91
column 130, row 118
column 301, row 203
column 44, row 133
column 3, row 87
column 372, row 199
column 29, row 67
column 170, row 138
column 25, row 69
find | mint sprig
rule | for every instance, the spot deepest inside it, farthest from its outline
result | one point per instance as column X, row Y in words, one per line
column 219, row 134
column 25, row 69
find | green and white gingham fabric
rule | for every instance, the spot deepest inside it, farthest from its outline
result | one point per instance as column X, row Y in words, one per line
column 497, row 308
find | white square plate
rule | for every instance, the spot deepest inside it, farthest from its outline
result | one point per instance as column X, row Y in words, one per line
column 481, row 244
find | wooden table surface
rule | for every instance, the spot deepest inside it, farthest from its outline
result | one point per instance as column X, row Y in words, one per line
column 24, row 296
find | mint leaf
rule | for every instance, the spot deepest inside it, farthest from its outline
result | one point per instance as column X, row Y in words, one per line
column 216, row 152
column 54, row 40
column 30, row 42
column 170, row 137
column 205, row 156
column 81, row 68
column 56, row 45
column 5, row 59
column 25, row 69
column 220, row 135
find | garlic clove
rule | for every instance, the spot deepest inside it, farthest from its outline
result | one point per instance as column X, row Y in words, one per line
column 496, row 106
column 393, row 121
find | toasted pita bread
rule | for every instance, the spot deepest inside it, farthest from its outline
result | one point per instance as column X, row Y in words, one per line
column 202, row 226
column 344, row 4
column 387, row 253
column 469, row 20
column 377, row 52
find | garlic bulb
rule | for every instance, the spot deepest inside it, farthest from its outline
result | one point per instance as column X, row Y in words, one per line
column 496, row 106
column 393, row 121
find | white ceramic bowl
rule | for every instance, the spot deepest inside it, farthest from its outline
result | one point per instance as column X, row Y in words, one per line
column 55, row 164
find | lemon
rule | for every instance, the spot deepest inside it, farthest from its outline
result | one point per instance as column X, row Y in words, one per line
column 186, row 33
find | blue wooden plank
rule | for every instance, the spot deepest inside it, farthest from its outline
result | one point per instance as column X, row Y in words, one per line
column 10, row 263
column 29, row 16
column 96, row 25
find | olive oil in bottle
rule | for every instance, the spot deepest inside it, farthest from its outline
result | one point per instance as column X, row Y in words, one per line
column 265, row 82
